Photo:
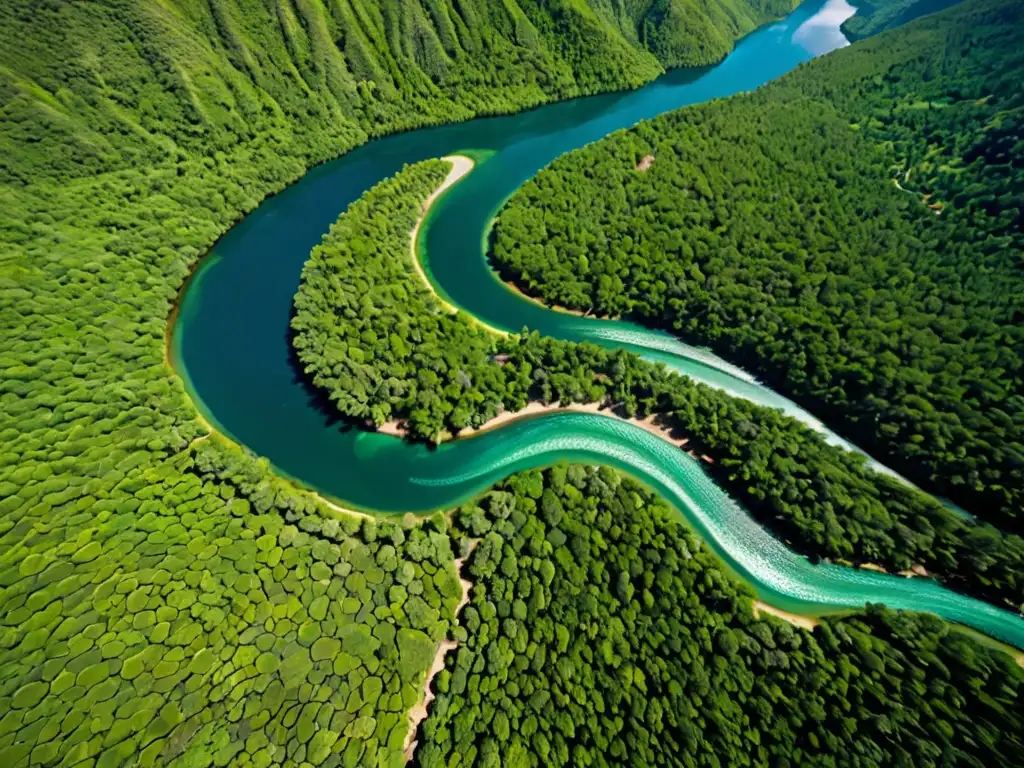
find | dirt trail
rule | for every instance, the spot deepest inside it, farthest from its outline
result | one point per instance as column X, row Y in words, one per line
column 419, row 712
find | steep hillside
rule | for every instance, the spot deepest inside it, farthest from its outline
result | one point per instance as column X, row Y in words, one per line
column 880, row 15
column 90, row 87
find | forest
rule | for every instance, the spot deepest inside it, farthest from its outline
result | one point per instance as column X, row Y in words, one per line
column 851, row 234
column 168, row 600
column 600, row 631
column 94, row 87
column 374, row 338
column 874, row 17
column 203, row 612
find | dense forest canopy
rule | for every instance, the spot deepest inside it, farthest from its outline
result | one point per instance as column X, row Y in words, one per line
column 90, row 87
column 880, row 15
column 375, row 339
column 167, row 599
column 601, row 632
column 195, row 611
column 851, row 233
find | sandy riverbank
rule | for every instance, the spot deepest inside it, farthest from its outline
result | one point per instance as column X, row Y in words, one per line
column 649, row 424
column 914, row 571
column 339, row 508
column 461, row 165
column 804, row 622
column 555, row 307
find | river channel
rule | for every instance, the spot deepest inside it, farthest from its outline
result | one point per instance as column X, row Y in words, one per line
column 230, row 342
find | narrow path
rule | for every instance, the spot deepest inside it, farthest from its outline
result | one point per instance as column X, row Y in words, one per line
column 419, row 712
column 934, row 207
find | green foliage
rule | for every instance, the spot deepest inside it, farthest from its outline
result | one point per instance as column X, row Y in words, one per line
column 122, row 84
column 183, row 634
column 374, row 336
column 880, row 15
column 636, row 648
column 415, row 653
column 851, row 233
column 168, row 601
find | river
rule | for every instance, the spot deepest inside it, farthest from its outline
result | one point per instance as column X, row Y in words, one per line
column 230, row 341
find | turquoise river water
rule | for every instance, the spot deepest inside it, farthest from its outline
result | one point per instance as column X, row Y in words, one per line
column 230, row 341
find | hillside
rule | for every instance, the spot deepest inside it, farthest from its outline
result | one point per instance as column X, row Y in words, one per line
column 851, row 234
column 168, row 600
column 92, row 87
column 880, row 15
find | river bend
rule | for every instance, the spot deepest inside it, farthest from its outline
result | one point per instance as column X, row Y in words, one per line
column 230, row 340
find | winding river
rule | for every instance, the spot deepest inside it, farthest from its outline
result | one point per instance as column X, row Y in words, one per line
column 230, row 341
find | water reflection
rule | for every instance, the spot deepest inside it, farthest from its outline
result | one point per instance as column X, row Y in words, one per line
column 820, row 33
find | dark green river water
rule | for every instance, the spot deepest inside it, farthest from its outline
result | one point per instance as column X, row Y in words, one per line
column 230, row 342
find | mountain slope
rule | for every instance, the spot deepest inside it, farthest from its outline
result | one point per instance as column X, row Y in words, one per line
column 91, row 87
column 872, row 18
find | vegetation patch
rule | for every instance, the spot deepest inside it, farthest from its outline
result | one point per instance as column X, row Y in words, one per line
column 164, row 595
column 602, row 632
column 167, row 599
column 212, row 629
